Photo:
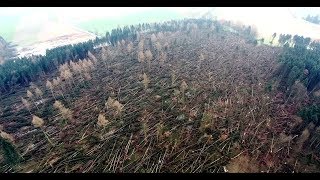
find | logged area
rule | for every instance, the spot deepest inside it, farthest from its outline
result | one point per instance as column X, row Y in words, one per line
column 181, row 96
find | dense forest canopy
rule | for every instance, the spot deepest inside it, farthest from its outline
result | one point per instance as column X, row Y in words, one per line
column 301, row 59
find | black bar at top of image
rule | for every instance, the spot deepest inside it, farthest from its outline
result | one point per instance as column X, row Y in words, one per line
column 159, row 3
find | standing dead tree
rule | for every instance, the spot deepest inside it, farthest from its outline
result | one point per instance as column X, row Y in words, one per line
column 149, row 57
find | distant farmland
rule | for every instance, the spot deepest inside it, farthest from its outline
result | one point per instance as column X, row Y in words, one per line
column 281, row 20
column 101, row 25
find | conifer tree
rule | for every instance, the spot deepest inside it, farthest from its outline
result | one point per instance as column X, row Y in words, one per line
column 38, row 123
column 145, row 81
column 50, row 86
column 149, row 57
column 141, row 57
column 26, row 104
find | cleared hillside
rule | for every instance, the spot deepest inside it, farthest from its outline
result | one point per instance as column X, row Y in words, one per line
column 199, row 99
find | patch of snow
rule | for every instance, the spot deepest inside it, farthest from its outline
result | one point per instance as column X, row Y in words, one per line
column 39, row 48
column 270, row 20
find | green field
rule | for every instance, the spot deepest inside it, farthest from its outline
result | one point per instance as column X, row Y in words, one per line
column 97, row 26
column 101, row 25
column 7, row 24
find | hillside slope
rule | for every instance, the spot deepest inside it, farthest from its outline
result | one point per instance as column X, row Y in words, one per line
column 199, row 99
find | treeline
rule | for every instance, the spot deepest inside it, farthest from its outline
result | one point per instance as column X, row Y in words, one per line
column 313, row 19
column 247, row 32
column 301, row 61
column 21, row 71
column 7, row 50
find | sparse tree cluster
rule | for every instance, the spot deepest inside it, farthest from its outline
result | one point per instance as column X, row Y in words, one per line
column 114, row 104
column 65, row 112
